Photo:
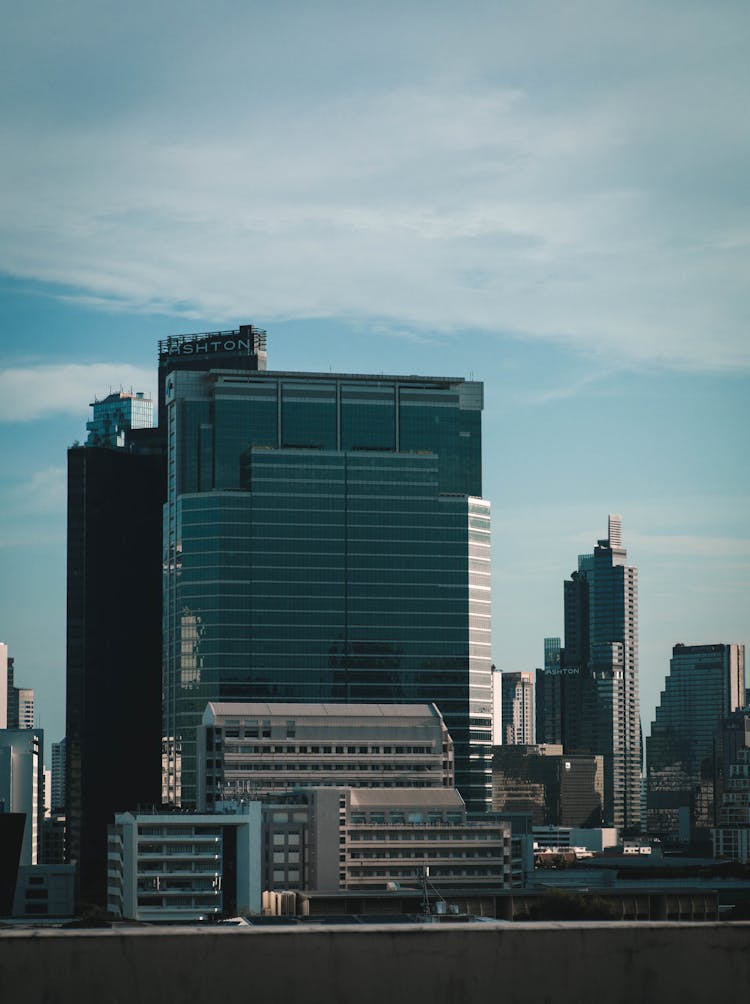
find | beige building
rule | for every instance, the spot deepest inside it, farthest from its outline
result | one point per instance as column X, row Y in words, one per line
column 247, row 750
column 330, row 839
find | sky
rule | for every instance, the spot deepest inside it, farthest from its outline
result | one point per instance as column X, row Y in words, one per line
column 550, row 198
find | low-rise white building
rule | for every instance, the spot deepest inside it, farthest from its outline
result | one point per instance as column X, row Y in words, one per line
column 184, row 866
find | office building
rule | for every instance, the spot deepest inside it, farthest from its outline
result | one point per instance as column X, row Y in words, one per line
column 113, row 665
column 325, row 541
column 116, row 416
column 393, row 835
column 556, row 788
column 518, row 708
column 5, row 685
column 247, row 751
column 22, row 785
column 58, row 800
column 593, row 699
column 16, row 703
column 45, row 890
column 337, row 839
column 731, row 837
column 706, row 683
column 184, row 867
column 25, row 712
column 548, row 694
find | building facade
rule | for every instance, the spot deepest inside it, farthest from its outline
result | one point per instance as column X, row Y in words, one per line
column 326, row 541
column 247, row 751
column 115, row 416
column 706, row 683
column 113, row 659
column 731, row 838
column 22, row 785
column 58, row 799
column 556, row 788
column 184, row 867
column 548, row 694
column 339, row 839
column 594, row 696
column 518, row 708
column 16, row 703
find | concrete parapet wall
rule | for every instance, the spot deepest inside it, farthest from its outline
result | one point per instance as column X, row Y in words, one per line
column 380, row 964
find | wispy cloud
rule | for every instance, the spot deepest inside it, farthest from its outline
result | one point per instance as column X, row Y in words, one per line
column 33, row 392
column 45, row 491
column 692, row 546
column 583, row 182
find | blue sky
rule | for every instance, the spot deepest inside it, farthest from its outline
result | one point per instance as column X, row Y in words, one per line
column 551, row 198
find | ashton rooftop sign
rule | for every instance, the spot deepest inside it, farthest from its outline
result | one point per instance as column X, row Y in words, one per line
column 246, row 340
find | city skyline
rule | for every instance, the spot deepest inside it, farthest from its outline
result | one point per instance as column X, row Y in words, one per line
column 557, row 211
column 510, row 641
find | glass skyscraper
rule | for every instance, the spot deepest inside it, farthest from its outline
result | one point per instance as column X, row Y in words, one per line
column 325, row 540
column 705, row 684
column 591, row 702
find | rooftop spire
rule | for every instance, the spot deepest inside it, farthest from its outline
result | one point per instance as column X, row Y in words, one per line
column 615, row 530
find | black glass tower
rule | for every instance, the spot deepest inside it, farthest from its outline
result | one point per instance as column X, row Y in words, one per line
column 113, row 643
column 325, row 540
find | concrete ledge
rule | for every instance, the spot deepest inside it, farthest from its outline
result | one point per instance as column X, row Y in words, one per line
column 379, row 964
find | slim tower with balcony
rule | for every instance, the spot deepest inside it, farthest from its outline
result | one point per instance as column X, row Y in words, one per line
column 597, row 686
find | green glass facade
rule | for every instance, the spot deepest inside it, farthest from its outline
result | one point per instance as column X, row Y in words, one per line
column 706, row 683
column 326, row 541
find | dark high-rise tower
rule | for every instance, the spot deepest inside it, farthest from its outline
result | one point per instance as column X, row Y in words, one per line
column 114, row 631
column 595, row 693
column 325, row 540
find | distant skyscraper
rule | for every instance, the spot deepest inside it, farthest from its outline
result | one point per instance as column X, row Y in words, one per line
column 597, row 690
column 58, row 798
column 25, row 708
column 549, row 695
column 705, row 684
column 19, row 701
column 731, row 836
column 518, row 708
column 325, row 542
column 22, row 785
column 5, row 684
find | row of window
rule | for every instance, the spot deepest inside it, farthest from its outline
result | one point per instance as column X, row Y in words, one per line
column 266, row 767
column 251, row 731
